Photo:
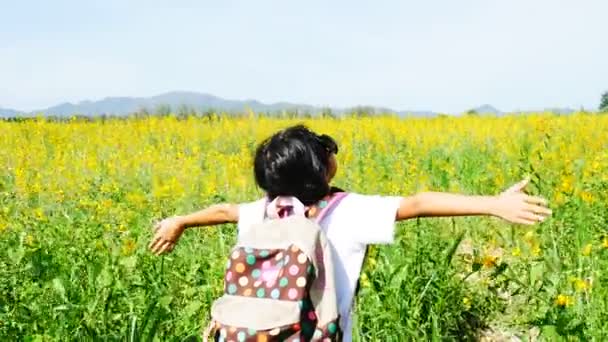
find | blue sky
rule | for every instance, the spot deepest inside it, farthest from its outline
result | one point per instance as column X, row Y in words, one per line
column 418, row 55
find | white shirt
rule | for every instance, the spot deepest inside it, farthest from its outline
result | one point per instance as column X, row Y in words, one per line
column 357, row 221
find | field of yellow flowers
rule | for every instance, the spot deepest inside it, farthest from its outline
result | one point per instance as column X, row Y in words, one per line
column 78, row 198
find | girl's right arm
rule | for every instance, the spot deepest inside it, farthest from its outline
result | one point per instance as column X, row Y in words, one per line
column 513, row 205
column 168, row 231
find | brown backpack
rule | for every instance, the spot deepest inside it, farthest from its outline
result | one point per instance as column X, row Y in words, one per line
column 279, row 280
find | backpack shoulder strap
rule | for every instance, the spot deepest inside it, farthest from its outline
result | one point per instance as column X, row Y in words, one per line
column 320, row 210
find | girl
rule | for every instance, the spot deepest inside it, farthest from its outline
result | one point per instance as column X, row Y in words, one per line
column 299, row 163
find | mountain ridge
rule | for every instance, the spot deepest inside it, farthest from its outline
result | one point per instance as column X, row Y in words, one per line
column 174, row 100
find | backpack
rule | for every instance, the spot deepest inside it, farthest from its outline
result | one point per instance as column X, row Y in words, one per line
column 279, row 279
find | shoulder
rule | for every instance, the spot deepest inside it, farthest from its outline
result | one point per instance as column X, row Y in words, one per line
column 358, row 201
column 367, row 218
column 251, row 212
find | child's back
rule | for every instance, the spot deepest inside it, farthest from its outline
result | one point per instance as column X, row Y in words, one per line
column 356, row 221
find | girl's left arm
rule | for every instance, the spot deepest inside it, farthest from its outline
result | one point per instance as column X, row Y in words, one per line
column 168, row 231
column 513, row 205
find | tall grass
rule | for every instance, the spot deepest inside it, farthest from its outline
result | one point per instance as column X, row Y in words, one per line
column 77, row 201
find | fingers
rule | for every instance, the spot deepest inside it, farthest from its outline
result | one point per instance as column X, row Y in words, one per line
column 536, row 200
column 540, row 210
column 521, row 185
column 156, row 237
column 162, row 246
column 167, row 246
column 164, row 238
column 532, row 217
column 156, row 241
column 518, row 187
column 525, row 221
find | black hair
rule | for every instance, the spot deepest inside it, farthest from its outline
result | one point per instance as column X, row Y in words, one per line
column 295, row 162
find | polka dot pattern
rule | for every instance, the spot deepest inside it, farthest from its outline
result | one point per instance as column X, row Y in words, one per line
column 274, row 294
column 292, row 294
column 305, row 330
column 302, row 258
column 276, row 274
column 255, row 273
column 288, row 333
column 301, row 282
column 283, row 282
column 293, row 270
column 282, row 274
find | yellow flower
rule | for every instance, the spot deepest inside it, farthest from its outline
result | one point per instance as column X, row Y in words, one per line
column 516, row 252
column 605, row 242
column 489, row 261
column 529, row 236
column 563, row 300
column 466, row 301
column 128, row 246
column 39, row 213
column 99, row 245
column 587, row 250
column 567, row 184
column 581, row 285
column 559, row 198
column 365, row 280
column 587, row 197
column 536, row 251
column 29, row 240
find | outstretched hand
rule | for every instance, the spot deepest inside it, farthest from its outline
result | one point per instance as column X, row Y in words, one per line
column 515, row 206
column 166, row 234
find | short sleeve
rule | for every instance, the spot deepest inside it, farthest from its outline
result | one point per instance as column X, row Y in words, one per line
column 250, row 213
column 370, row 219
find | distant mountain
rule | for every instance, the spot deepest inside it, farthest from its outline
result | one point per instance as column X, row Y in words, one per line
column 173, row 100
column 8, row 113
column 197, row 101
column 487, row 109
column 418, row 113
column 560, row 110
column 554, row 110
column 202, row 102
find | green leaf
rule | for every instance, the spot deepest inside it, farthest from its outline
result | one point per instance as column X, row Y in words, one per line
column 536, row 272
column 16, row 255
column 192, row 308
column 58, row 286
column 549, row 333
column 129, row 262
column 165, row 301
column 453, row 248
column 104, row 279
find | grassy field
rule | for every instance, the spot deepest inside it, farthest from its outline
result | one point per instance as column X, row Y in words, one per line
column 77, row 200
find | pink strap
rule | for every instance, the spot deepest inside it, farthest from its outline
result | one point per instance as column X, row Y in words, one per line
column 284, row 206
column 333, row 201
